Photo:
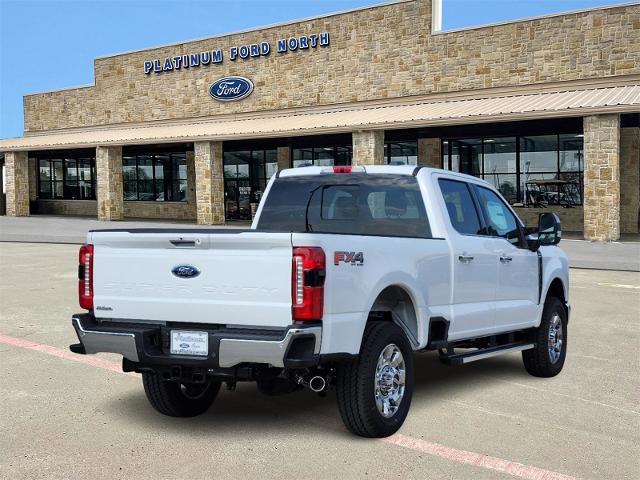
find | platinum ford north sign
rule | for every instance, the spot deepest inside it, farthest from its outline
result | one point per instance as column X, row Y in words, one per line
column 228, row 89
column 244, row 52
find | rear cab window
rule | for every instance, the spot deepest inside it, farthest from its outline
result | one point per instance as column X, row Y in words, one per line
column 461, row 208
column 354, row 203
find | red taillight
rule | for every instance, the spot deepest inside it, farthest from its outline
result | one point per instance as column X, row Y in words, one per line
column 85, row 277
column 342, row 169
column 307, row 283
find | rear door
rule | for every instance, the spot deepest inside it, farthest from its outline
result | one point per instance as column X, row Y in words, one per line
column 475, row 271
column 517, row 288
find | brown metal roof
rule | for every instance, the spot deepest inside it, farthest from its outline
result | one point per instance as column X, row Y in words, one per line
column 575, row 102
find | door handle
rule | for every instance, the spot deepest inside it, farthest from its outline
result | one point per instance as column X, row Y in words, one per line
column 464, row 258
column 183, row 243
column 504, row 259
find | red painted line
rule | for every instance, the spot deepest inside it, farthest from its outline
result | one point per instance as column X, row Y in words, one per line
column 430, row 448
column 476, row 459
column 66, row 354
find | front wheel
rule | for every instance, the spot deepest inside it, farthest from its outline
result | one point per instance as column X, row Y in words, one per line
column 179, row 399
column 374, row 391
column 546, row 359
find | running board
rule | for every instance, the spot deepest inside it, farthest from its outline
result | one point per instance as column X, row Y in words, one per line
column 462, row 358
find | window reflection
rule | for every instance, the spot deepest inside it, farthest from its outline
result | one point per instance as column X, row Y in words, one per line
column 535, row 170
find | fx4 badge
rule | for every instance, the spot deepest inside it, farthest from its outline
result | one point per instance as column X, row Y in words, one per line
column 354, row 258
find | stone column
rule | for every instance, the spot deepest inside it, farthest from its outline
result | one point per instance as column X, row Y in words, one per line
column 629, row 179
column 209, row 183
column 109, row 182
column 284, row 157
column 602, row 177
column 16, row 166
column 33, row 179
column 368, row 147
column 430, row 152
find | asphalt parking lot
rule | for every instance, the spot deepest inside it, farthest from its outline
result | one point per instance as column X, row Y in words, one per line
column 64, row 418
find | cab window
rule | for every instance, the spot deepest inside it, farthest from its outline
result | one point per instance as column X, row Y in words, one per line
column 460, row 207
column 499, row 219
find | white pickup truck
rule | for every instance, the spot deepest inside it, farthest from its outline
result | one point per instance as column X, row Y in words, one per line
column 345, row 272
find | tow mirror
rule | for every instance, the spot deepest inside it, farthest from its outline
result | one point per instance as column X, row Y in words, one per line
column 549, row 231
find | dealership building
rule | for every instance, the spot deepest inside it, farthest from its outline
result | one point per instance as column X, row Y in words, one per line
column 547, row 109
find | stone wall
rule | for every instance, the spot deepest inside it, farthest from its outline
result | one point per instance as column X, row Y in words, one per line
column 163, row 210
column 368, row 147
column 572, row 219
column 109, row 189
column 629, row 179
column 17, row 184
column 602, row 177
column 209, row 183
column 84, row 208
column 430, row 152
column 375, row 53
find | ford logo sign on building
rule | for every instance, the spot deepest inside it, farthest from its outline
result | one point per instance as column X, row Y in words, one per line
column 185, row 271
column 228, row 89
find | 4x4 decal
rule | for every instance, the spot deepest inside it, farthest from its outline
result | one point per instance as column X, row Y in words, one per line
column 353, row 258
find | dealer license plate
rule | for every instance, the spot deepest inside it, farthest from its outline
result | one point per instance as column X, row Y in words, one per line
column 185, row 342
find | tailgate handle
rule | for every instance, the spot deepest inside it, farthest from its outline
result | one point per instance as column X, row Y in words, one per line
column 183, row 243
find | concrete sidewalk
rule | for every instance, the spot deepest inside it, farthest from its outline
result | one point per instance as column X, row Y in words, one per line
column 58, row 229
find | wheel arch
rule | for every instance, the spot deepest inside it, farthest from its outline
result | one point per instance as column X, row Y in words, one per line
column 397, row 303
column 558, row 289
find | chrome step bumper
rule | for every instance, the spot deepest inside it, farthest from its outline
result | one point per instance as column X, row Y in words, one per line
column 228, row 347
column 101, row 341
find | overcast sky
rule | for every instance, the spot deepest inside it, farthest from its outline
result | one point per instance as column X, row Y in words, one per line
column 51, row 44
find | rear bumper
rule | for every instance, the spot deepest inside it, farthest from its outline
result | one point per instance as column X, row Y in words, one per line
column 292, row 347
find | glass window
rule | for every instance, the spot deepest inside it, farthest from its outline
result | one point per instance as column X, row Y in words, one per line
column 356, row 204
column 322, row 156
column 527, row 170
column 470, row 153
column 155, row 177
column 401, row 153
column 460, row 206
column 66, row 177
column 499, row 219
column 539, row 154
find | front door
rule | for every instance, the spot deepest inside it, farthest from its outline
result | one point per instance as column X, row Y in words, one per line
column 475, row 271
column 517, row 290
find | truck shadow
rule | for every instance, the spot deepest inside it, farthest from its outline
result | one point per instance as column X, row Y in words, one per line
column 247, row 411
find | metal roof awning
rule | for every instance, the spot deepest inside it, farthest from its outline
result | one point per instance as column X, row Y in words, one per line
column 424, row 113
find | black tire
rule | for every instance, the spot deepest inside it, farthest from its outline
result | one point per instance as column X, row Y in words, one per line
column 355, row 383
column 179, row 400
column 538, row 361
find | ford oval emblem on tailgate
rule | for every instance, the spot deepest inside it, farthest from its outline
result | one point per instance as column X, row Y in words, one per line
column 185, row 271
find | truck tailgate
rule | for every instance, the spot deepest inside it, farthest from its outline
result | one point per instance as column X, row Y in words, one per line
column 244, row 277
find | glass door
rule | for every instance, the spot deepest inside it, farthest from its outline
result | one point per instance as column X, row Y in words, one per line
column 246, row 173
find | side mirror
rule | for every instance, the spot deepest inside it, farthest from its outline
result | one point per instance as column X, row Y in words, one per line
column 549, row 231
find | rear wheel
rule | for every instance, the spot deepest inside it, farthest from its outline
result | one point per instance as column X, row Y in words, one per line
column 179, row 399
column 546, row 359
column 374, row 391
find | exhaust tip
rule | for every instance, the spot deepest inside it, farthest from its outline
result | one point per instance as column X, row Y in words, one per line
column 317, row 383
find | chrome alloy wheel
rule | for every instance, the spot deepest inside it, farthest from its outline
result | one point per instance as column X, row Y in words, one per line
column 555, row 338
column 390, row 380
